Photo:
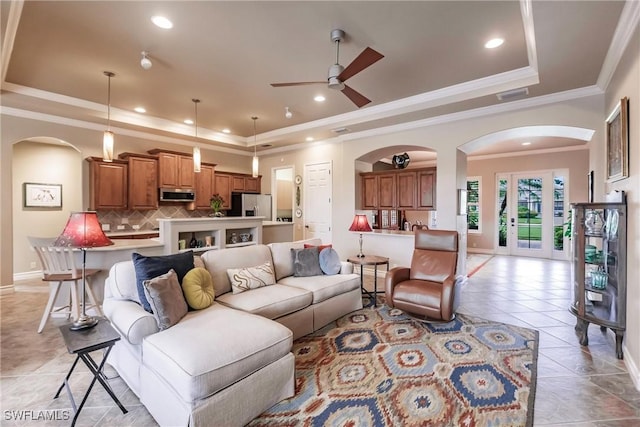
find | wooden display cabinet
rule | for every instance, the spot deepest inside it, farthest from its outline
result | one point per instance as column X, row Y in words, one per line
column 598, row 268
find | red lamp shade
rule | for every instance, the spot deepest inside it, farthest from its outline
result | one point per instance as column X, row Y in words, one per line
column 360, row 224
column 83, row 230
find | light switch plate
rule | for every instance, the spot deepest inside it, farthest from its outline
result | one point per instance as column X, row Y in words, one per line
column 120, row 227
column 106, row 227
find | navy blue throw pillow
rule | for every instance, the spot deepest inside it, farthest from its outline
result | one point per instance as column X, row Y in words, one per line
column 148, row 267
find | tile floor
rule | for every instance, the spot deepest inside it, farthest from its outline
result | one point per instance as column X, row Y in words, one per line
column 576, row 386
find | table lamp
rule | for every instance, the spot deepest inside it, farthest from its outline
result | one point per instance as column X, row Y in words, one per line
column 83, row 230
column 361, row 225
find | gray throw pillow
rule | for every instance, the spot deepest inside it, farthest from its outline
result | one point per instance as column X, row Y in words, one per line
column 306, row 262
column 329, row 261
column 165, row 297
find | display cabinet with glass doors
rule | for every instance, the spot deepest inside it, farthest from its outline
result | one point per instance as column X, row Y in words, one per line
column 598, row 273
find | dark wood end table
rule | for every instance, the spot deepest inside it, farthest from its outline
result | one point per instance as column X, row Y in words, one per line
column 82, row 343
column 375, row 261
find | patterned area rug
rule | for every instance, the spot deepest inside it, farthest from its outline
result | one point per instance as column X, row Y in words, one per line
column 379, row 367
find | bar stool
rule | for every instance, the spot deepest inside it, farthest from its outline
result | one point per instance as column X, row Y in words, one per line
column 58, row 266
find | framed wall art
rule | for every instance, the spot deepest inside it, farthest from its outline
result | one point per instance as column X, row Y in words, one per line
column 618, row 142
column 42, row 195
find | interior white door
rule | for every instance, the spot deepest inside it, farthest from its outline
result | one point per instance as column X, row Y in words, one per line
column 317, row 201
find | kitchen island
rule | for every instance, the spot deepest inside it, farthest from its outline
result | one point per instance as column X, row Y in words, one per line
column 277, row 231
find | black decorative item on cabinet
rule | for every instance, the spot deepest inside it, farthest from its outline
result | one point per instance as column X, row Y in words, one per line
column 599, row 267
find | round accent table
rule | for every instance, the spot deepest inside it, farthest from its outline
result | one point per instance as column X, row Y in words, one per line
column 375, row 261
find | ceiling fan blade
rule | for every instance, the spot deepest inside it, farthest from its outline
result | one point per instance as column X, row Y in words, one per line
column 297, row 84
column 355, row 97
column 365, row 59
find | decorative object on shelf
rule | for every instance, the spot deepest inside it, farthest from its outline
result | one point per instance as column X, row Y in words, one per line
column 245, row 237
column 255, row 164
column 107, row 139
column 208, row 240
column 361, row 225
column 298, row 213
column 599, row 278
column 233, row 239
column 83, row 230
column 196, row 150
column 193, row 243
column 216, row 201
column 47, row 196
column 618, row 142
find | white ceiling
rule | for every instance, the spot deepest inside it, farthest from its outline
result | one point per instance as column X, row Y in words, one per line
column 228, row 53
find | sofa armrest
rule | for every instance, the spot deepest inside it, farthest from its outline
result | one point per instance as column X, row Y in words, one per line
column 130, row 319
column 393, row 277
column 346, row 267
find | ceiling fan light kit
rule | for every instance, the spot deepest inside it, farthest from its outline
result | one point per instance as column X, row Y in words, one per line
column 338, row 74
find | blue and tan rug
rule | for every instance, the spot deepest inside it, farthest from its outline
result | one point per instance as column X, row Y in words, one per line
column 379, row 367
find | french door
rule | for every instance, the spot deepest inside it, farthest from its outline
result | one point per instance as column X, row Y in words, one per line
column 530, row 214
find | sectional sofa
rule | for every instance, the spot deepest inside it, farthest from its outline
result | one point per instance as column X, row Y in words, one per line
column 225, row 364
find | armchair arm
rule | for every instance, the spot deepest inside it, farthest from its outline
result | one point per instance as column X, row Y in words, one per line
column 450, row 296
column 130, row 319
column 391, row 279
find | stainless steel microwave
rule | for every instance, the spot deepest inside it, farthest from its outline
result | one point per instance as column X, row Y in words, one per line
column 177, row 195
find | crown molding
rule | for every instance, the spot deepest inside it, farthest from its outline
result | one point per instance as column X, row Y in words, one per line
column 13, row 20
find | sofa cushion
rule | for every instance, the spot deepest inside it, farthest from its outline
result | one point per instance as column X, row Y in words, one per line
column 306, row 262
column 218, row 261
column 269, row 301
column 244, row 279
column 197, row 287
column 329, row 261
column 324, row 287
column 210, row 349
column 165, row 297
column 281, row 254
column 148, row 267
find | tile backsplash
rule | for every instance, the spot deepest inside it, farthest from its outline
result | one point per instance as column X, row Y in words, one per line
column 146, row 220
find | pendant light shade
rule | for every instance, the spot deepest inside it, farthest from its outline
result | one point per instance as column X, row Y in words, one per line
column 196, row 150
column 255, row 165
column 107, row 139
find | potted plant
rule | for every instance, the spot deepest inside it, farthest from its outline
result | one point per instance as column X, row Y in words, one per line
column 216, row 202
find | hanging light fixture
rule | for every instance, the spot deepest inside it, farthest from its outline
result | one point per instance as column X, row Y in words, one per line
column 196, row 149
column 287, row 113
column 256, row 163
column 107, row 139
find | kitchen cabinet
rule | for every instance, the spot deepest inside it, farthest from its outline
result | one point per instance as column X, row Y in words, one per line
column 223, row 188
column 387, row 191
column 142, row 181
column 204, row 186
column 369, row 191
column 426, row 189
column 407, row 190
column 107, row 184
column 175, row 170
column 237, row 183
column 252, row 185
column 598, row 268
column 242, row 183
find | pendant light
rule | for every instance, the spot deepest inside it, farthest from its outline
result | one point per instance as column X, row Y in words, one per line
column 255, row 164
column 196, row 149
column 107, row 139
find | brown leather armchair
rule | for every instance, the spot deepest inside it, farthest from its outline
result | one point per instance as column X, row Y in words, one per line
column 430, row 288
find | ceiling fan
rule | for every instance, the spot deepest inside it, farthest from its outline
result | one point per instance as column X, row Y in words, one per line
column 339, row 74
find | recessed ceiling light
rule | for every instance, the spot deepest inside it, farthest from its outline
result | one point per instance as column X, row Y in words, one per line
column 526, row 143
column 309, row 138
column 319, row 98
column 225, row 130
column 162, row 22
column 493, row 43
column 140, row 110
column 188, row 122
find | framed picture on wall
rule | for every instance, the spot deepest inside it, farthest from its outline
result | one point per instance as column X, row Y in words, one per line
column 42, row 195
column 618, row 142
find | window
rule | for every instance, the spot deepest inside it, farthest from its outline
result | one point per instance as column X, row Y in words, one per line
column 473, row 205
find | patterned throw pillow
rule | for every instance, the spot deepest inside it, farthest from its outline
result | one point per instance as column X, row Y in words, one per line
column 197, row 287
column 165, row 297
column 243, row 279
column 306, row 262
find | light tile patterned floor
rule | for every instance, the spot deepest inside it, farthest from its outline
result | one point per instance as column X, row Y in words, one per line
column 576, row 386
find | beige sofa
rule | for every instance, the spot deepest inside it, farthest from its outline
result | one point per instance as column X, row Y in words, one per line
column 226, row 364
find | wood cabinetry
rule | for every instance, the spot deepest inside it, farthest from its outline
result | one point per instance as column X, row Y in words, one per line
column 252, row 185
column 242, row 183
column 175, row 170
column 107, row 184
column 223, row 188
column 142, row 181
column 205, row 186
column 405, row 189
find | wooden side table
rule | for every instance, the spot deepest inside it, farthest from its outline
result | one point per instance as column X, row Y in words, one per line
column 375, row 261
column 82, row 343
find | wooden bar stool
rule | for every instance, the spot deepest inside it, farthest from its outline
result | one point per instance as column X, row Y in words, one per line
column 58, row 266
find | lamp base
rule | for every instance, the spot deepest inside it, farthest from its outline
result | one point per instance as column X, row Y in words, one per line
column 361, row 255
column 84, row 322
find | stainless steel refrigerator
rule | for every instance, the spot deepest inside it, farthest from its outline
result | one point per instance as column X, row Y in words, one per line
column 245, row 204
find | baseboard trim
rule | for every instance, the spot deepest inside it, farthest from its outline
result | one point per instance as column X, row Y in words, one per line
column 27, row 275
column 634, row 373
column 6, row 289
column 480, row 251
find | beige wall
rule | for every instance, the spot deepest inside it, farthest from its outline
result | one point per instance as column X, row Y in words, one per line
column 577, row 162
column 42, row 163
column 626, row 82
